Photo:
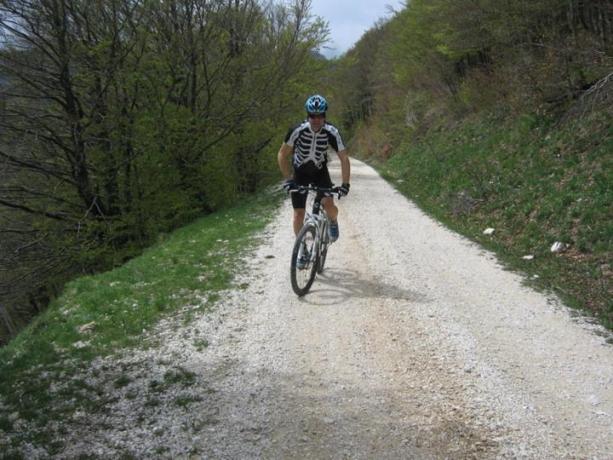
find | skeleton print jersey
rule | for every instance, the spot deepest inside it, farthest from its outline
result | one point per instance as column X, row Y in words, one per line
column 313, row 147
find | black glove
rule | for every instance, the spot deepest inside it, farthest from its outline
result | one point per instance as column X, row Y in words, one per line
column 289, row 185
column 343, row 190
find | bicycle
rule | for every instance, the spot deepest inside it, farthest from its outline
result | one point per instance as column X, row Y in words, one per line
column 311, row 246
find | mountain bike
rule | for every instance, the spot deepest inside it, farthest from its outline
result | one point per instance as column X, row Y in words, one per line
column 311, row 246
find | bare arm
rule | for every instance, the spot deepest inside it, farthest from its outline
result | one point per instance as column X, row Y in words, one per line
column 285, row 152
column 345, row 166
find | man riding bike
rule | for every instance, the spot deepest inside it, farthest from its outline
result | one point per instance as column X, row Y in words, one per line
column 308, row 142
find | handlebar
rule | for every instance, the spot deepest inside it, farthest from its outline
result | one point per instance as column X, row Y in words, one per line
column 326, row 191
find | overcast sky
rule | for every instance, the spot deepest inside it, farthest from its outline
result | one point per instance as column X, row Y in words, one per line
column 349, row 19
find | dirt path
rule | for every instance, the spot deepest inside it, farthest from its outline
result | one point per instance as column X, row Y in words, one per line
column 414, row 344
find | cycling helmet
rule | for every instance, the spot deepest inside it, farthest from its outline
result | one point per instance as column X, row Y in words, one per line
column 316, row 104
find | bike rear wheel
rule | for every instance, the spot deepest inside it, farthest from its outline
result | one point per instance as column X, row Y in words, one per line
column 303, row 271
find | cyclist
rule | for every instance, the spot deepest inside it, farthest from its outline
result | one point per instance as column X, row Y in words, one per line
column 308, row 142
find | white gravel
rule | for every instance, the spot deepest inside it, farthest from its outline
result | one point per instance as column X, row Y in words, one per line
column 415, row 343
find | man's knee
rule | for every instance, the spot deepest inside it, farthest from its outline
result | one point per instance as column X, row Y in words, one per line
column 331, row 208
column 298, row 214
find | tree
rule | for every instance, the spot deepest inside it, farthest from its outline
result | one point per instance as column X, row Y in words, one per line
column 124, row 118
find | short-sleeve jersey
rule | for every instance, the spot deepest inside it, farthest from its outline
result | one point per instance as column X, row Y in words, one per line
column 313, row 147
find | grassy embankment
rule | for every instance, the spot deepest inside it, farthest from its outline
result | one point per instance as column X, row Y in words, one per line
column 535, row 183
column 111, row 312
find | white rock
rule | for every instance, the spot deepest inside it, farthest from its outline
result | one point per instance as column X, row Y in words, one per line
column 594, row 400
column 558, row 247
column 87, row 327
column 80, row 344
column 488, row 231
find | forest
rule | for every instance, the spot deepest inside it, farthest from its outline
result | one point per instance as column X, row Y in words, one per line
column 123, row 120
column 441, row 60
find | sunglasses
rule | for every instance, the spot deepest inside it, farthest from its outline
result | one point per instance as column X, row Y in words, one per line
column 317, row 115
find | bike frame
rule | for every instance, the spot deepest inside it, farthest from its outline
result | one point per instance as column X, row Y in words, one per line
column 317, row 222
column 319, row 218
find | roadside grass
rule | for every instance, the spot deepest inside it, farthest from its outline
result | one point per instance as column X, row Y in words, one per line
column 535, row 183
column 100, row 315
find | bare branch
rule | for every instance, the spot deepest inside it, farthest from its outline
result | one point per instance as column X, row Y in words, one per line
column 21, row 207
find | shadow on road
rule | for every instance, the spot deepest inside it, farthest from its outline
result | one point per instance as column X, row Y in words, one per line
column 317, row 415
column 336, row 286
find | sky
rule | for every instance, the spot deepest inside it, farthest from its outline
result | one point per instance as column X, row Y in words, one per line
column 349, row 19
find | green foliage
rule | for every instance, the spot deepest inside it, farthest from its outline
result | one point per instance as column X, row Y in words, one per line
column 535, row 184
column 153, row 114
column 453, row 58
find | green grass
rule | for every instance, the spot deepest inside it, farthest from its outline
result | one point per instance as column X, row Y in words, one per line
column 189, row 267
column 535, row 183
column 201, row 344
column 185, row 400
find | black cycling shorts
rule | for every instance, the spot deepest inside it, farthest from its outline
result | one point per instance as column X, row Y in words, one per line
column 306, row 176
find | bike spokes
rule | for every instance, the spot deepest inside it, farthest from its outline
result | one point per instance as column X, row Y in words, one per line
column 304, row 260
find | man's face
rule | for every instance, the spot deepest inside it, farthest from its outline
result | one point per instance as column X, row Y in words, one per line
column 316, row 120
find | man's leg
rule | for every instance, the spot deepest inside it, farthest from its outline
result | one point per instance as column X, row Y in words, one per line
column 303, row 256
column 299, row 205
column 330, row 208
column 298, row 219
column 332, row 212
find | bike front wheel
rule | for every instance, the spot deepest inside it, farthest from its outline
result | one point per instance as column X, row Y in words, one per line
column 305, row 260
column 322, row 258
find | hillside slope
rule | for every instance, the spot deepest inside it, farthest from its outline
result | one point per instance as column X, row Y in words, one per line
column 103, row 316
column 535, row 184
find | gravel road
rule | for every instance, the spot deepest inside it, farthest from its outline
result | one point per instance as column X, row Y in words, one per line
column 414, row 343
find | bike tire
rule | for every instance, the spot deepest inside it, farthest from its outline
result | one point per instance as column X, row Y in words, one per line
column 302, row 278
column 323, row 248
column 322, row 258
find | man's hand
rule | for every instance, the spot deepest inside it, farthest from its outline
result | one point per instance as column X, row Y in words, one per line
column 289, row 185
column 343, row 190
